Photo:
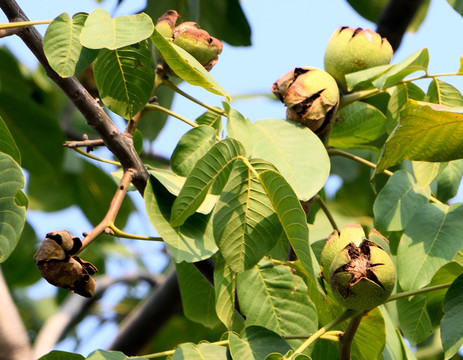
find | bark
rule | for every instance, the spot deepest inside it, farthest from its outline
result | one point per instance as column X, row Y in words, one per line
column 395, row 19
column 14, row 343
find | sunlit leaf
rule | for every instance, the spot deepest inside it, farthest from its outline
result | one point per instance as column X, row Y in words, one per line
column 452, row 323
column 212, row 119
column 129, row 87
column 431, row 239
column 424, row 134
column 364, row 78
column 255, row 343
column 246, row 226
column 359, row 125
column 193, row 241
column 393, row 347
column 415, row 62
column 198, row 296
column 61, row 355
column 12, row 206
column 191, row 147
column 400, row 94
column 440, row 92
column 425, row 172
column 448, row 181
column 110, row 355
column 219, row 158
column 203, row 351
column 186, row 66
column 414, row 319
column 278, row 300
column 239, row 128
column 62, row 47
column 100, row 31
column 398, row 201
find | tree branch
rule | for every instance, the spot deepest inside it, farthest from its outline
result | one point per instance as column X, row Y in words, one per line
column 395, row 19
column 14, row 343
column 120, row 145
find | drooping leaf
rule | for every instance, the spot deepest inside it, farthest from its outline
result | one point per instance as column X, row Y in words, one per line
column 225, row 292
column 440, row 92
column 255, row 343
column 212, row 119
column 29, row 124
column 294, row 150
column 393, row 347
column 12, row 206
column 100, row 31
column 174, row 183
column 292, row 219
column 186, row 66
column 7, row 144
column 62, row 47
column 61, row 355
column 448, row 181
column 278, row 300
column 246, row 226
column 431, row 239
column 360, row 125
column 219, row 158
column 424, row 134
column 452, row 323
column 415, row 62
column 398, row 201
column 191, row 147
column 129, row 87
column 193, row 241
column 110, row 355
column 198, row 296
column 414, row 319
column 203, row 351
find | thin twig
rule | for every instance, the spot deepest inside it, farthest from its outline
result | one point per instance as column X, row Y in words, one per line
column 112, row 212
column 84, row 143
column 406, row 294
column 327, row 212
column 122, row 234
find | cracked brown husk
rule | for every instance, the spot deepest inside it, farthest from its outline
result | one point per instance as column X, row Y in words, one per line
column 362, row 277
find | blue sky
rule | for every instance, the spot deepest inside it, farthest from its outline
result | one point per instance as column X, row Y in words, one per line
column 286, row 34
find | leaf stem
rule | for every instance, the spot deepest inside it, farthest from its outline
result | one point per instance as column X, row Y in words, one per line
column 327, row 212
column 172, row 86
column 113, row 209
column 171, row 352
column 93, row 157
column 345, row 344
column 424, row 290
column 344, row 316
column 357, row 95
column 122, row 234
column 338, row 152
column 20, row 24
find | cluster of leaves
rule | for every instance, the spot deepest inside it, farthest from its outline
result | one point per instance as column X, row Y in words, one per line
column 238, row 199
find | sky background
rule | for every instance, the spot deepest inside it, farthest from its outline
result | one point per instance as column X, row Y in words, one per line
column 285, row 34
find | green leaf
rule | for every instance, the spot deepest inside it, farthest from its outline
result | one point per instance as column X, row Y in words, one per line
column 452, row 323
column 448, row 181
column 186, row 66
column 203, row 351
column 239, row 128
column 255, row 343
column 111, row 355
column 294, row 150
column 398, row 201
column 100, row 31
column 293, row 220
column 457, row 5
column 400, row 94
column 393, row 346
column 370, row 10
column 225, row 292
column 7, row 144
column 424, row 134
column 219, row 158
column 198, row 296
column 212, row 119
column 370, row 336
column 364, row 78
column 245, row 225
column 29, row 125
column 62, row 47
column 61, row 355
column 415, row 62
column 426, row 172
column 431, row 239
column 440, row 92
column 278, row 301
column 360, row 125
column 414, row 319
column 12, row 213
column 191, row 147
column 174, row 183
column 129, row 87
column 193, row 241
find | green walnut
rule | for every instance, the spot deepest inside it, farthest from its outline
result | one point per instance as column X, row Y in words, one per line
column 311, row 96
column 354, row 49
column 362, row 277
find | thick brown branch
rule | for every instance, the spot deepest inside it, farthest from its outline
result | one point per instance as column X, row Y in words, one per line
column 121, row 146
column 395, row 19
